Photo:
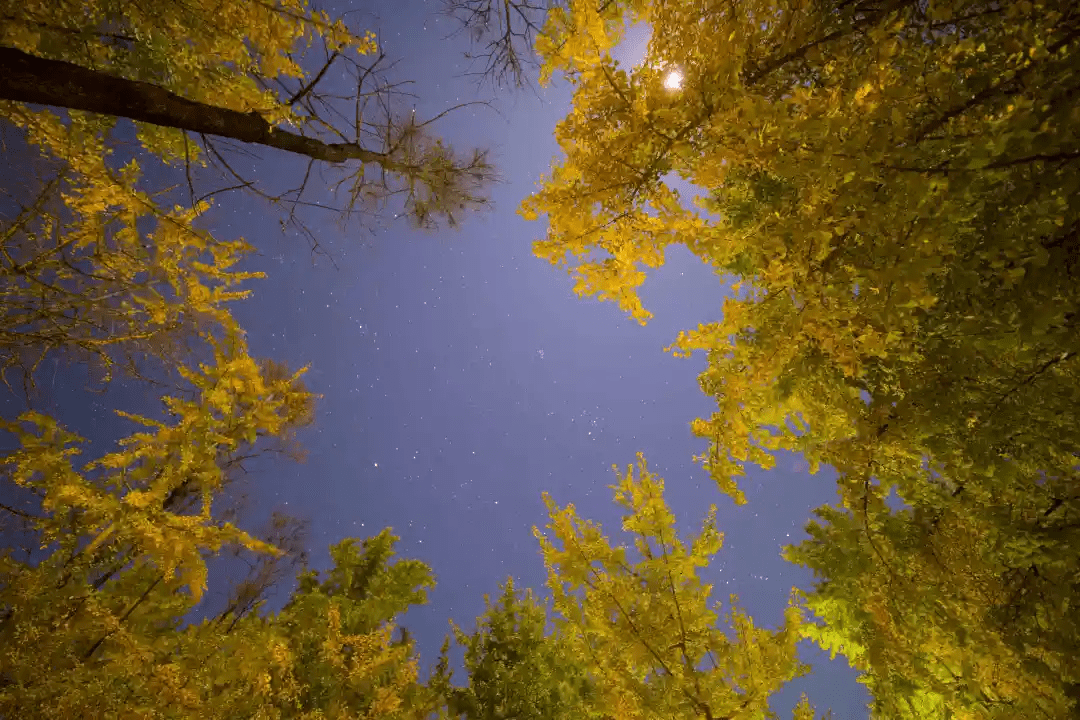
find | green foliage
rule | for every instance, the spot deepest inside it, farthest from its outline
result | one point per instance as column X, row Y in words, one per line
column 948, row 606
column 516, row 667
column 895, row 185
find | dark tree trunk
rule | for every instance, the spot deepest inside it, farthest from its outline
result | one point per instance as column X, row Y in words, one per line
column 31, row 79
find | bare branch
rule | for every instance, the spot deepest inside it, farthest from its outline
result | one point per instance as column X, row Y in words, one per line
column 503, row 33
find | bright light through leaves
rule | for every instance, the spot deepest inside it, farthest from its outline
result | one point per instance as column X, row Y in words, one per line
column 673, row 80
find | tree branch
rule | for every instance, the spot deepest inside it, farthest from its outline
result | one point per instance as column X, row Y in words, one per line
column 32, row 79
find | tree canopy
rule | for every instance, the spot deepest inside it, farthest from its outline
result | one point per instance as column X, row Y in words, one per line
column 95, row 614
column 95, row 626
column 892, row 189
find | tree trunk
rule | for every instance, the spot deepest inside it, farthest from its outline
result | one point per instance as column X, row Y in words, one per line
column 31, row 79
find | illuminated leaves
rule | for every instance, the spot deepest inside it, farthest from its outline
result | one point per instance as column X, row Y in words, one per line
column 92, row 617
column 97, row 270
column 151, row 466
column 99, row 628
column 643, row 622
column 894, row 187
column 805, row 171
column 97, row 267
column 242, row 70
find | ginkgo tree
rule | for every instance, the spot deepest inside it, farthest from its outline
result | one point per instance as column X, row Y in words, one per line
column 642, row 622
column 892, row 189
column 97, row 262
column 117, row 554
column 261, row 73
column 95, row 269
column 96, row 266
column 632, row 630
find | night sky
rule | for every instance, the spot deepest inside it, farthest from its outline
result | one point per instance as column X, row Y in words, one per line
column 462, row 377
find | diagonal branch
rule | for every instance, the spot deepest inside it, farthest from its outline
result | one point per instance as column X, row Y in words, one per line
column 303, row 91
column 32, row 79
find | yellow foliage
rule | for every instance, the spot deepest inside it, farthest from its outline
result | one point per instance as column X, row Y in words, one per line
column 894, row 189
column 646, row 623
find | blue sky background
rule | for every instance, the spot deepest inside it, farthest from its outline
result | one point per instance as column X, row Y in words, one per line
column 462, row 377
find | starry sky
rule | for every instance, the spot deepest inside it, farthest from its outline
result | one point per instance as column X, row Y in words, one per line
column 462, row 377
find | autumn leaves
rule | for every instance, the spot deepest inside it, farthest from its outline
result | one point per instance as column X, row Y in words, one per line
column 895, row 187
